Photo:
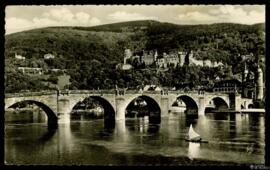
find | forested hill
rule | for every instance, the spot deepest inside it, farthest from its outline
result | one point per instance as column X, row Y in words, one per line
column 106, row 43
column 90, row 54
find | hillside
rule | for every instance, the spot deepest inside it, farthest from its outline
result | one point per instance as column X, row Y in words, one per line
column 107, row 42
column 89, row 50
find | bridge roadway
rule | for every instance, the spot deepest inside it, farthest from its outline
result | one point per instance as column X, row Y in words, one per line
column 59, row 104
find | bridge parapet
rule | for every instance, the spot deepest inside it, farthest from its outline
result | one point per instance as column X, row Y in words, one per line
column 88, row 92
column 27, row 94
column 186, row 92
column 154, row 92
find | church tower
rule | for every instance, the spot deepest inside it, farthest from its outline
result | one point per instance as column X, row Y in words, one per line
column 260, row 84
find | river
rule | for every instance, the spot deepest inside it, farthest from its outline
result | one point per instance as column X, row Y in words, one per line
column 232, row 139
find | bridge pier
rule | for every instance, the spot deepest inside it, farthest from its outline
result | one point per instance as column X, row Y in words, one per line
column 120, row 109
column 63, row 110
column 235, row 102
column 164, row 106
column 201, row 109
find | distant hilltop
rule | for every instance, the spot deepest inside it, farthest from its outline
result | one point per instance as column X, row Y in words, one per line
column 144, row 24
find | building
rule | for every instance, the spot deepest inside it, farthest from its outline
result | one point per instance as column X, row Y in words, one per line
column 148, row 58
column 194, row 61
column 207, row 63
column 172, row 59
column 182, row 55
column 48, row 56
column 247, row 56
column 152, row 88
column 121, row 66
column 227, row 86
column 125, row 66
column 161, row 62
column 54, row 70
column 166, row 60
column 127, row 55
column 31, row 70
column 19, row 57
column 203, row 63
column 217, row 64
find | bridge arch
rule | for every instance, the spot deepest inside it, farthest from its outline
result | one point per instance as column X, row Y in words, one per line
column 250, row 106
column 217, row 103
column 149, row 100
column 152, row 103
column 109, row 111
column 192, row 105
column 246, row 103
column 52, row 118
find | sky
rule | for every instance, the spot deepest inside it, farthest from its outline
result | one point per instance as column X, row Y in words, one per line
column 20, row 18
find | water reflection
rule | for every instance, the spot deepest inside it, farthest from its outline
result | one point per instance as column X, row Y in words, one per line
column 232, row 138
column 24, row 116
column 109, row 124
column 153, row 128
column 193, row 150
column 190, row 120
column 141, row 125
column 47, row 136
column 203, row 127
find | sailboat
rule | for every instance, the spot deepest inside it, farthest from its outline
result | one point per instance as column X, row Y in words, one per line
column 193, row 136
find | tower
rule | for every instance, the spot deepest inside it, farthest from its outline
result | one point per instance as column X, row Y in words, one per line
column 128, row 54
column 259, row 83
column 245, row 74
column 181, row 56
column 244, row 81
column 155, row 55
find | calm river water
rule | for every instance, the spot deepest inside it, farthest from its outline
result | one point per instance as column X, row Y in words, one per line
column 233, row 139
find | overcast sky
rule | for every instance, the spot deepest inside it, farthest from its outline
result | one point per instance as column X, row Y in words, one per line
column 19, row 18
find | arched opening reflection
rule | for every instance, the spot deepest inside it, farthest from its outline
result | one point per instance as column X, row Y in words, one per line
column 141, row 125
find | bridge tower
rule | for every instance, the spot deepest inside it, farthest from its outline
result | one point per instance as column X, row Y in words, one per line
column 235, row 101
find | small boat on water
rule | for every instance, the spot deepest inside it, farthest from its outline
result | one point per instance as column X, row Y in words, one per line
column 193, row 136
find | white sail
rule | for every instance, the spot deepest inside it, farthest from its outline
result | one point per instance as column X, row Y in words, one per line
column 192, row 134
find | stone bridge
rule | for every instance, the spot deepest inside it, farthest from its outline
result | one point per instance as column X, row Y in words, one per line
column 58, row 105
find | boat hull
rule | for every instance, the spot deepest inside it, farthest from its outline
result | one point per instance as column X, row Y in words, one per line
column 196, row 139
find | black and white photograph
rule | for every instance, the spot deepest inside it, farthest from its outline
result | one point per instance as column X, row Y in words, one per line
column 135, row 85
